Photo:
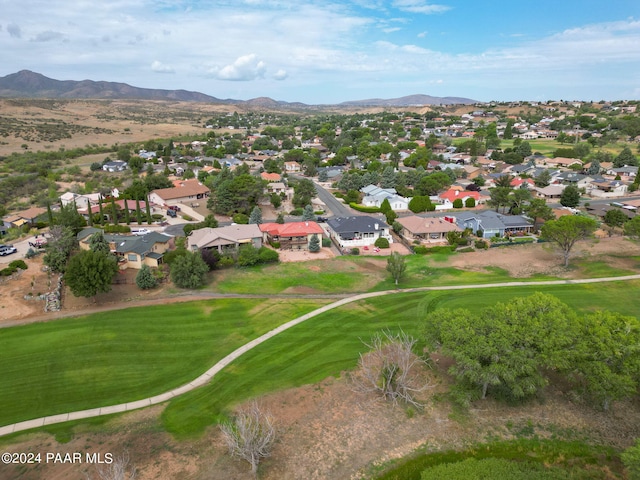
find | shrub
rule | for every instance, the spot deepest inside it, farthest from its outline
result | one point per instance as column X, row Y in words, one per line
column 145, row 279
column 31, row 253
column 470, row 202
column 326, row 242
column 247, row 256
column 363, row 209
column 157, row 216
column 187, row 218
column 465, row 250
column 457, row 203
column 420, row 250
column 482, row 244
column 355, row 251
column 226, row 262
column 18, row 264
column 296, row 212
column 189, row 270
column 116, row 229
column 211, row 257
column 462, row 242
column 6, row 272
column 274, row 244
column 382, row 242
column 266, row 255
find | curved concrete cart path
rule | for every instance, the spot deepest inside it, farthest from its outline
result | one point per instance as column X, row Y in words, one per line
column 209, row 374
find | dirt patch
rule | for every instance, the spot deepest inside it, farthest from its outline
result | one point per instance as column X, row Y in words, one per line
column 523, row 261
column 304, row 256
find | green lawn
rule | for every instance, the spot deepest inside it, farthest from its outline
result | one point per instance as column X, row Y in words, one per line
column 330, row 343
column 121, row 356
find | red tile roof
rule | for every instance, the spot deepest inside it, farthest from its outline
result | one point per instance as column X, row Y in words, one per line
column 295, row 229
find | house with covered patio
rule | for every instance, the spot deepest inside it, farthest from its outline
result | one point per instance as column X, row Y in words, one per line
column 427, row 230
column 226, row 240
column 291, row 236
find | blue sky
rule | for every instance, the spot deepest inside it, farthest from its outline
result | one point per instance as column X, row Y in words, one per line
column 325, row 52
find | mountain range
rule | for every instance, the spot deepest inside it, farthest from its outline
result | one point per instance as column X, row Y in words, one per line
column 28, row 84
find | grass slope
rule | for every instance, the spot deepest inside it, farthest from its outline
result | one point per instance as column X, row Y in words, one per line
column 121, row 356
column 330, row 343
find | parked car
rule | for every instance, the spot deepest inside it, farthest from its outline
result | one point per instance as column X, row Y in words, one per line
column 140, row 231
column 7, row 250
column 321, row 219
column 172, row 213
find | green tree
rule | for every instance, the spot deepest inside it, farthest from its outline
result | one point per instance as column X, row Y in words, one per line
column 303, row 192
column 97, row 243
column 68, row 216
column 90, row 272
column 189, row 270
column 631, row 459
column 396, row 266
column 625, row 158
column 314, row 244
column 148, row 210
column 388, row 178
column 59, row 247
column 568, row 230
column 280, row 218
column 276, row 200
column 539, row 212
column 308, row 214
column 256, row 216
column 543, row 179
column 632, row 228
column 469, row 202
column 248, row 255
column 145, row 278
column 615, row 218
column 457, row 203
column 606, row 358
column 505, row 347
column 570, row 196
column 138, row 212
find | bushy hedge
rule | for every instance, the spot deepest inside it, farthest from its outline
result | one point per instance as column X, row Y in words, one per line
column 422, row 250
column 363, row 209
column 381, row 242
column 18, row 264
column 117, row 229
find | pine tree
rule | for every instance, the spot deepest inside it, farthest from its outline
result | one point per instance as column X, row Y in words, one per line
column 146, row 201
column 101, row 210
column 314, row 244
column 308, row 213
column 145, row 278
column 256, row 216
column 138, row 212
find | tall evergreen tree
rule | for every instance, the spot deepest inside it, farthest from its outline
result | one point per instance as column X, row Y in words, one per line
column 148, row 208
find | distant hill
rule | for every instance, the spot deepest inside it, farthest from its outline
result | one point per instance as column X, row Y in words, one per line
column 409, row 101
column 34, row 85
column 28, row 84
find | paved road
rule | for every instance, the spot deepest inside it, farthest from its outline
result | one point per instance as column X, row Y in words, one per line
column 209, row 374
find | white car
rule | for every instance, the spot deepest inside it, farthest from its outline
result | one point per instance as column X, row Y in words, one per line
column 140, row 231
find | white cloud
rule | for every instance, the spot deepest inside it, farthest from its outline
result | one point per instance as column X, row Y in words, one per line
column 244, row 68
column 160, row 67
column 14, row 30
column 422, row 34
column 420, row 6
column 391, row 29
column 280, row 74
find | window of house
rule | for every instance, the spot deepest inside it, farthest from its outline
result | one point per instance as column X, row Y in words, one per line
column 132, row 257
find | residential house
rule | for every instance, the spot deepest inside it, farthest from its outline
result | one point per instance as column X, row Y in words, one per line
column 292, row 167
column 488, row 223
column 608, row 188
column 271, row 177
column 626, row 173
column 374, row 196
column 277, row 187
column 550, row 192
column 562, row 162
column 226, row 240
column 427, row 230
column 577, row 179
column 69, row 198
column 291, row 236
column 358, row 231
column 186, row 191
column 132, row 251
column 115, row 166
column 24, row 217
column 445, row 200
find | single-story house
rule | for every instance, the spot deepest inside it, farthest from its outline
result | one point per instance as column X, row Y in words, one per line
column 608, row 188
column 225, row 239
column 357, row 231
column 445, row 200
column 292, row 236
column 132, row 251
column 24, row 217
column 489, row 224
column 115, row 166
column 562, row 162
column 292, row 167
column 427, row 230
column 553, row 191
column 186, row 191
column 374, row 196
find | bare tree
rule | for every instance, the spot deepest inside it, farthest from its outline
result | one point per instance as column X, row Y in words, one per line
column 390, row 368
column 250, row 435
column 119, row 469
